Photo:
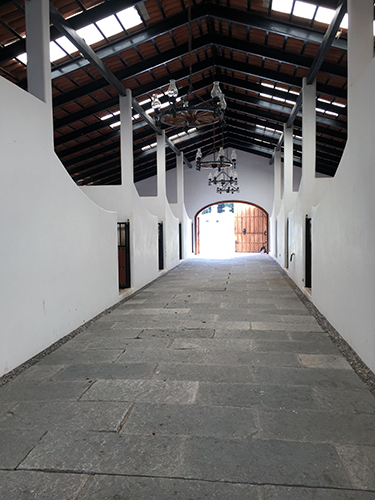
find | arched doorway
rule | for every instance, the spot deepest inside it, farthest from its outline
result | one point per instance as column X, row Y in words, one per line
column 231, row 226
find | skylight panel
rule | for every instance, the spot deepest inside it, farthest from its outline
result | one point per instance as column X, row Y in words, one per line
column 66, row 44
column 324, row 15
column 345, row 22
column 278, row 99
column 22, row 58
column 106, row 117
column 109, row 26
column 129, row 17
column 282, row 6
column 304, row 10
column 116, row 124
column 90, row 34
column 55, row 52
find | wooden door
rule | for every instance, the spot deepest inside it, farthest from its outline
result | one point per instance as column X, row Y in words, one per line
column 250, row 228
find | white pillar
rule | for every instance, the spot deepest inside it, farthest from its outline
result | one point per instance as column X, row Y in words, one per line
column 37, row 46
column 308, row 131
column 360, row 38
column 180, row 180
column 160, row 165
column 288, row 162
column 126, row 139
column 277, row 182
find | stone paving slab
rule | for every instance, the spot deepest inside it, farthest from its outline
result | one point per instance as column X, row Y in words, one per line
column 191, row 420
column 288, row 327
column 359, row 463
column 118, row 341
column 204, row 372
column 106, row 453
column 208, row 344
column 358, row 400
column 43, row 391
column 177, row 392
column 251, row 395
column 159, row 355
column 87, row 356
column 292, row 493
column 77, row 415
column 39, row 372
column 106, row 371
column 317, row 427
column 15, row 445
column 331, row 361
column 106, row 335
column 239, row 357
column 28, row 485
column 262, row 462
column 178, row 333
column 141, row 488
column 320, row 377
column 323, row 346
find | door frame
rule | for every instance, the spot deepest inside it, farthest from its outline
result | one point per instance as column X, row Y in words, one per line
column 196, row 220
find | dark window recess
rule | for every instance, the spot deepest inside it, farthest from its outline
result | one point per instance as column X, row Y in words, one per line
column 161, row 246
column 308, row 259
column 123, row 254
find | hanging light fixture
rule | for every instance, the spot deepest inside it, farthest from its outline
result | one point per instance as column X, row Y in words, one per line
column 225, row 176
column 183, row 112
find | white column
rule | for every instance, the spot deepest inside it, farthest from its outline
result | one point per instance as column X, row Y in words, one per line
column 288, row 162
column 180, row 180
column 308, row 131
column 37, row 46
column 277, row 182
column 360, row 38
column 160, row 165
column 126, row 139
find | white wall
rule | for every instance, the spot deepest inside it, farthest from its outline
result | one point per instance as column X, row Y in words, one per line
column 58, row 265
column 125, row 201
column 255, row 178
column 343, row 235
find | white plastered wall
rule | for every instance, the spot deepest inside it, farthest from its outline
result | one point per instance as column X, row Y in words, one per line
column 129, row 206
column 344, row 269
column 178, row 208
column 342, row 209
column 255, row 180
column 58, row 266
column 159, row 206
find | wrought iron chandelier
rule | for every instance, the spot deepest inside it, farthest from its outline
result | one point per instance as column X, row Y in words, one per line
column 225, row 176
column 185, row 114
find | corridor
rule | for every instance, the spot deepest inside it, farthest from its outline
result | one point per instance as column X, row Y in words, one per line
column 214, row 382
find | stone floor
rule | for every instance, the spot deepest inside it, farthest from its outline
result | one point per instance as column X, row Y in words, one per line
column 214, row 382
